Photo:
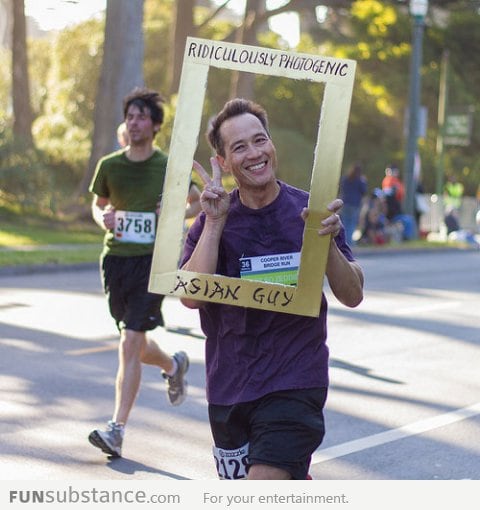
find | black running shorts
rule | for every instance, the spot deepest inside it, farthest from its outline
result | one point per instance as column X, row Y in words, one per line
column 125, row 282
column 281, row 429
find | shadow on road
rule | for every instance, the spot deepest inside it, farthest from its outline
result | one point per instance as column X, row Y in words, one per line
column 132, row 467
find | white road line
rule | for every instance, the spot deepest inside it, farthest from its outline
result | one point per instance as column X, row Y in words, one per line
column 395, row 434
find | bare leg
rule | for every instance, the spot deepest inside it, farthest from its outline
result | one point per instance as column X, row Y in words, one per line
column 153, row 355
column 132, row 344
column 134, row 349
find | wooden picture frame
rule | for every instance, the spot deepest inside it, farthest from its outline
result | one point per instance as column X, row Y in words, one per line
column 338, row 76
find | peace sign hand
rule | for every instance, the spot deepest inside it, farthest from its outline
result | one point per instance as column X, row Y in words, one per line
column 214, row 200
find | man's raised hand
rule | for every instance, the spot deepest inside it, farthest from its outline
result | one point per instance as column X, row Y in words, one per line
column 214, row 200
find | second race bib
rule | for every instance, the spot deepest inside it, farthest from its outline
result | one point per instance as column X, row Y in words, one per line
column 231, row 464
column 134, row 227
column 278, row 268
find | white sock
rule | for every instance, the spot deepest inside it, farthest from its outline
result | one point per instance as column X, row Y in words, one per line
column 174, row 368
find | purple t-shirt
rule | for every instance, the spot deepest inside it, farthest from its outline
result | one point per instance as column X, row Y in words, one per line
column 251, row 352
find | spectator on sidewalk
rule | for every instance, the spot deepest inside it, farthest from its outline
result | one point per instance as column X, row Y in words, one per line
column 353, row 188
column 453, row 193
column 392, row 184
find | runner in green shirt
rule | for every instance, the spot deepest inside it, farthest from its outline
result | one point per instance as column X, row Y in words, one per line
column 127, row 186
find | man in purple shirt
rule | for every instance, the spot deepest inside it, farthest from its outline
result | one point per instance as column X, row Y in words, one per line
column 267, row 372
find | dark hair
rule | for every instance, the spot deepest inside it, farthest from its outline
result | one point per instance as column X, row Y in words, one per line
column 233, row 108
column 355, row 171
column 143, row 98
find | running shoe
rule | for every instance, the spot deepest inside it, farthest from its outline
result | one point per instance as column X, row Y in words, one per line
column 109, row 440
column 176, row 383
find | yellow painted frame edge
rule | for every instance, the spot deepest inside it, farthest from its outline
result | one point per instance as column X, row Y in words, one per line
column 165, row 277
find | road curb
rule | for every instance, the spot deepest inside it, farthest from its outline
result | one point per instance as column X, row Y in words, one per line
column 358, row 253
column 46, row 268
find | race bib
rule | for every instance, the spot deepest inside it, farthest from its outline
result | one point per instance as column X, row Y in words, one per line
column 134, row 227
column 281, row 268
column 231, row 464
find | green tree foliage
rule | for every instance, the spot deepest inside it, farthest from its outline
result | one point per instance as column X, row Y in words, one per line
column 66, row 98
column 462, row 39
column 26, row 179
column 378, row 35
column 64, row 73
column 5, row 87
column 65, row 77
column 158, row 19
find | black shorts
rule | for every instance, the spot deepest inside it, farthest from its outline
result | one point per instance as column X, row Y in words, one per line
column 281, row 429
column 125, row 282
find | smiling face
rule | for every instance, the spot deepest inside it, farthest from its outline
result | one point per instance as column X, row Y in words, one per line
column 249, row 154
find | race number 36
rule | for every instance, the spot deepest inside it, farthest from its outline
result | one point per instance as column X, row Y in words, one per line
column 135, row 227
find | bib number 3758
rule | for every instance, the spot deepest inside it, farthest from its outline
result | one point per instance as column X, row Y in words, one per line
column 135, row 227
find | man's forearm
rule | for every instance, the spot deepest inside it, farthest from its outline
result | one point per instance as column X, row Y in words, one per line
column 97, row 215
column 345, row 277
column 205, row 255
column 204, row 258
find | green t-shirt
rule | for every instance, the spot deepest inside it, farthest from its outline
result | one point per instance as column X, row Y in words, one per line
column 130, row 186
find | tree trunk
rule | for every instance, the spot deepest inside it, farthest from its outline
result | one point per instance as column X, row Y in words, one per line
column 184, row 27
column 242, row 84
column 122, row 70
column 6, row 21
column 22, row 111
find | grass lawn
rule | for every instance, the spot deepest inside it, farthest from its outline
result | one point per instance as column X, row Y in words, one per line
column 24, row 239
column 28, row 240
column 29, row 235
column 84, row 254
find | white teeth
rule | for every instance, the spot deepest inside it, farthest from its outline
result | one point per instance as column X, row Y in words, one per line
column 257, row 167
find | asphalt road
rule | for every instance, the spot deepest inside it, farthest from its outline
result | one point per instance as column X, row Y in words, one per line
column 404, row 401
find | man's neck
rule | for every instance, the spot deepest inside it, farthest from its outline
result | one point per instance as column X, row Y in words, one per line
column 256, row 198
column 139, row 152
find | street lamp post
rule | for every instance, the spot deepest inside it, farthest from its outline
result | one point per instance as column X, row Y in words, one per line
column 418, row 9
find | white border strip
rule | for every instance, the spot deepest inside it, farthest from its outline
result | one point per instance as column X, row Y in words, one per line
column 395, row 434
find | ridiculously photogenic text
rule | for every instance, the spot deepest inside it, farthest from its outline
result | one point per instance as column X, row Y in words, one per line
column 214, row 52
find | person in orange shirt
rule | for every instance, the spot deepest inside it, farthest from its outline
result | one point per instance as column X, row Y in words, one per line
column 392, row 181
